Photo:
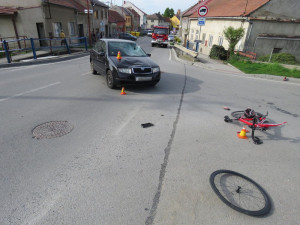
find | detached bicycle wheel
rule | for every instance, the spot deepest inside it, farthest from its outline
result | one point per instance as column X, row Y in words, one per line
column 240, row 192
column 239, row 114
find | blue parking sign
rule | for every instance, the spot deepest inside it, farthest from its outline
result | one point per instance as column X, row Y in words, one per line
column 201, row 21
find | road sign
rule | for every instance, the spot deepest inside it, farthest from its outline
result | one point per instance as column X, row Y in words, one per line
column 202, row 11
column 201, row 21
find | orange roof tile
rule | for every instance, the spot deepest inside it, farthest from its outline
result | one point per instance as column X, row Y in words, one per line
column 231, row 8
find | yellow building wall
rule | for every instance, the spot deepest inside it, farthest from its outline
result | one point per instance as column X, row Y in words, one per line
column 175, row 22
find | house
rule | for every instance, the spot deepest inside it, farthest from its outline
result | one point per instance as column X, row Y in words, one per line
column 142, row 14
column 175, row 21
column 270, row 26
column 44, row 19
column 99, row 17
column 184, row 27
column 127, row 15
column 135, row 20
column 116, row 23
column 157, row 19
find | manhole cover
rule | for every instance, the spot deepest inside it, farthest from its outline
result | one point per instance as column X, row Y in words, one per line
column 52, row 129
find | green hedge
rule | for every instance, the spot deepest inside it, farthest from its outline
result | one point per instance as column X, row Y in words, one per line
column 218, row 52
column 284, row 58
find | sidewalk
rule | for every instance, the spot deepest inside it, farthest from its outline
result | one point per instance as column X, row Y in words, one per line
column 42, row 57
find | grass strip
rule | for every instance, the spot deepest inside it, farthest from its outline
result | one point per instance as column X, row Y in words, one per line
column 264, row 68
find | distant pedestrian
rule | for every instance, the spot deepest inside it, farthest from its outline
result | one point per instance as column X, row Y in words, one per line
column 93, row 37
column 63, row 37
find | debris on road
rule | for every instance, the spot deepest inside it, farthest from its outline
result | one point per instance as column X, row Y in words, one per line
column 146, row 125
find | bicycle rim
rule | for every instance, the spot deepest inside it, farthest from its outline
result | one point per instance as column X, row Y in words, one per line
column 240, row 192
column 239, row 114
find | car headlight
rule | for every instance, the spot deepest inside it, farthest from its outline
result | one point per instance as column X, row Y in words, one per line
column 125, row 70
column 155, row 69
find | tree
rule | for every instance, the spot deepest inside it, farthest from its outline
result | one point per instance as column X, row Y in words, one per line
column 233, row 36
column 169, row 13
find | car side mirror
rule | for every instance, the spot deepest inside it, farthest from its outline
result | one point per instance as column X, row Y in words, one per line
column 148, row 54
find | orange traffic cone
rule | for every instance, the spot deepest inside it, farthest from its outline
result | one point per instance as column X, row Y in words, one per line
column 123, row 91
column 119, row 57
column 242, row 134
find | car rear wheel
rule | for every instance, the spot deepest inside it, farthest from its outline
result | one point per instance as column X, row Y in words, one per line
column 92, row 67
column 110, row 80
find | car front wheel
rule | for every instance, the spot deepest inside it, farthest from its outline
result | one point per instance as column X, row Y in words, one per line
column 110, row 80
column 92, row 67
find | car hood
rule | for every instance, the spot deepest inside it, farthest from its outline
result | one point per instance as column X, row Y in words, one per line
column 128, row 62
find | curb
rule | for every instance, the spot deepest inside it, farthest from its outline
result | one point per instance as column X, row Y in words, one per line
column 45, row 61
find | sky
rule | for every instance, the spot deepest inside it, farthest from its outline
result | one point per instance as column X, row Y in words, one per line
column 154, row 6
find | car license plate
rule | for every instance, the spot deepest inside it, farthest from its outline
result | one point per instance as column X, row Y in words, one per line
column 143, row 78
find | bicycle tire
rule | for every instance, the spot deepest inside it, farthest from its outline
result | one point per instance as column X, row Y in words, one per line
column 238, row 195
column 239, row 114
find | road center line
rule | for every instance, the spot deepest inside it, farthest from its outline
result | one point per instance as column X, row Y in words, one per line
column 30, row 91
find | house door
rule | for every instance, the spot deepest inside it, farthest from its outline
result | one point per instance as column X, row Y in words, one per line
column 80, row 32
column 41, row 34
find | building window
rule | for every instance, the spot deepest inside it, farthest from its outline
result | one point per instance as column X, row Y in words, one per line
column 152, row 21
column 210, row 40
column 96, row 16
column 192, row 31
column 57, row 28
column 277, row 50
column 203, row 37
column 101, row 14
column 220, row 41
column 197, row 31
column 71, row 29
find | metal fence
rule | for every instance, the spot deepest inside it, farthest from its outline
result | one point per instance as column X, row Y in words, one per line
column 14, row 49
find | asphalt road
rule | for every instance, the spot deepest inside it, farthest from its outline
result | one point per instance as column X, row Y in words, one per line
column 110, row 170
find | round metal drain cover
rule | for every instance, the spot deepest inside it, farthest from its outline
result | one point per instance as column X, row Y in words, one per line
column 52, row 129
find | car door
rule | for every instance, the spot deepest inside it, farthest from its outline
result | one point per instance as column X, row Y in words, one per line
column 99, row 57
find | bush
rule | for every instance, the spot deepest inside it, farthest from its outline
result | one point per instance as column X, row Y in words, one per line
column 177, row 39
column 218, row 52
column 284, row 58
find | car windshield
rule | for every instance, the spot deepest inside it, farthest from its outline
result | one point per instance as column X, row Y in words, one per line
column 160, row 31
column 126, row 49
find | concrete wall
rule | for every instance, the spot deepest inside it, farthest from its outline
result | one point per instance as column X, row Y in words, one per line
column 264, row 46
column 215, row 28
column 26, row 22
column 61, row 15
column 6, row 27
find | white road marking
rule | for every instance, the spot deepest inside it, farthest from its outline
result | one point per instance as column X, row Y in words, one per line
column 170, row 54
column 27, row 92
column 43, row 211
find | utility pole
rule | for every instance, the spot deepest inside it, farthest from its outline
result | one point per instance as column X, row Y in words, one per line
column 89, row 25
